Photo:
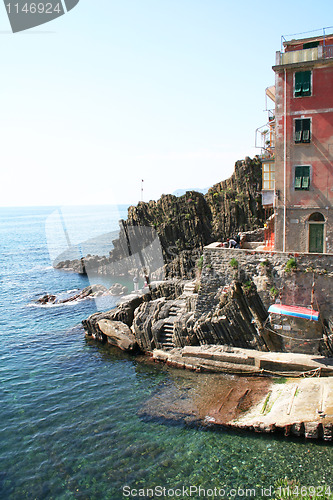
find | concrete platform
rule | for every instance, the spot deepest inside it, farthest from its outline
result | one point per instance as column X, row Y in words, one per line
column 296, row 399
column 303, row 407
column 227, row 359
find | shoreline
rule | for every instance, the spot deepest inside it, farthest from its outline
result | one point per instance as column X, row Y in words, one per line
column 299, row 407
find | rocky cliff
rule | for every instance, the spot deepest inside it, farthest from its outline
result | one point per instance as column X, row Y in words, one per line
column 186, row 224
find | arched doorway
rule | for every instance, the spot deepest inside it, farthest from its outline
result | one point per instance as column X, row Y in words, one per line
column 316, row 232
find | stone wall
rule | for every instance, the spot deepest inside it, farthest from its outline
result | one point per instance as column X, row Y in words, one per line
column 297, row 228
column 269, row 271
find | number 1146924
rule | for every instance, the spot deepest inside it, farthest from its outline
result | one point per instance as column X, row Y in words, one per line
column 34, row 8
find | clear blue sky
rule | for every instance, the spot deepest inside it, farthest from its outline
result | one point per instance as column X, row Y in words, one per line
column 169, row 91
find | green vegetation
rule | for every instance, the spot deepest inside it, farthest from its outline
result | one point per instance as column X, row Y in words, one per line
column 280, row 380
column 265, row 408
column 274, row 292
column 291, row 265
column 200, row 263
column 234, row 263
column 248, row 285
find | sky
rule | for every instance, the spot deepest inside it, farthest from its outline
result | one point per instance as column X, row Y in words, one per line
column 113, row 92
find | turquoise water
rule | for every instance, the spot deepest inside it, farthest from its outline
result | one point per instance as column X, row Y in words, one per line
column 71, row 420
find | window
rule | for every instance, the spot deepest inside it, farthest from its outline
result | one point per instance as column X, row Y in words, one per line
column 302, row 130
column 268, row 175
column 302, row 83
column 302, row 178
column 310, row 45
column 317, row 217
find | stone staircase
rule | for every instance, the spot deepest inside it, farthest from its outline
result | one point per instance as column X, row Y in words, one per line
column 166, row 333
column 176, row 310
column 165, row 337
column 189, row 288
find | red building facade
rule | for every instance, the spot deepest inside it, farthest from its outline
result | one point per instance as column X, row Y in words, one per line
column 303, row 154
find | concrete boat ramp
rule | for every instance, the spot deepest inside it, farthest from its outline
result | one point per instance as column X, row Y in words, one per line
column 296, row 399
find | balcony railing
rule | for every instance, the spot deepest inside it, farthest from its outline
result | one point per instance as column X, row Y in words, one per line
column 328, row 51
column 305, row 55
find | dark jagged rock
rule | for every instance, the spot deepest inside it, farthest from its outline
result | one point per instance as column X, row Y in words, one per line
column 124, row 312
column 237, row 320
column 236, row 202
column 165, row 319
column 89, row 291
column 145, row 317
column 47, row 299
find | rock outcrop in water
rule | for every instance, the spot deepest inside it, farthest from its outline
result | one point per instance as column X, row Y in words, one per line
column 184, row 225
column 125, row 312
column 167, row 318
column 90, row 291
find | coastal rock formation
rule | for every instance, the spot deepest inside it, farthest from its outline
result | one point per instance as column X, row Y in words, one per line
column 90, row 291
column 137, row 305
column 237, row 320
column 183, row 226
column 118, row 334
column 123, row 313
column 165, row 322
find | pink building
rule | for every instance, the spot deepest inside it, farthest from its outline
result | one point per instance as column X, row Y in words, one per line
column 298, row 159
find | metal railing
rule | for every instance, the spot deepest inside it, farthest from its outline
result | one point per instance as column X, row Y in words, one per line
column 321, row 32
column 328, row 51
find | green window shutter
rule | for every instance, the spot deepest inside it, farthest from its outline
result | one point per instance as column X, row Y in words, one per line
column 298, row 171
column 306, row 87
column 298, row 83
column 305, row 182
column 302, row 178
column 298, row 182
column 298, row 130
column 302, row 130
column 306, row 136
column 302, row 83
column 306, row 178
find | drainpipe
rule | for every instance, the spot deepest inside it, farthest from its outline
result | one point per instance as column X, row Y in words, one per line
column 285, row 163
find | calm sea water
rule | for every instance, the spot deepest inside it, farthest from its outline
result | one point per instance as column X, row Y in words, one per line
column 71, row 420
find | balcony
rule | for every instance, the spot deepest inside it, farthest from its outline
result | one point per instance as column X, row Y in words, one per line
column 304, row 55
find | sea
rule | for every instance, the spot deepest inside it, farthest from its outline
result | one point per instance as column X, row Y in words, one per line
column 81, row 420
